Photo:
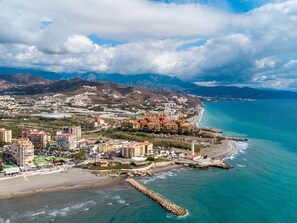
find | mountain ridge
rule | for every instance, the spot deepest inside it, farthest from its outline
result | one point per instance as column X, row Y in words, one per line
column 160, row 83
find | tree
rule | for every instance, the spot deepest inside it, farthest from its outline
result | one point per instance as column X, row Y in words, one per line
column 1, row 165
column 81, row 155
column 152, row 159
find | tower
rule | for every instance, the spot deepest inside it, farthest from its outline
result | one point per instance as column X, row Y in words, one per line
column 193, row 147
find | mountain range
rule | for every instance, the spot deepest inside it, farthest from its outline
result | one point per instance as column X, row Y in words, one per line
column 153, row 81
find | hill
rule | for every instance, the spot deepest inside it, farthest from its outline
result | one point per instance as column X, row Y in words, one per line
column 152, row 81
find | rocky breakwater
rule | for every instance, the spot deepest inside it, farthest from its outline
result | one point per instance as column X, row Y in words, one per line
column 140, row 173
column 213, row 163
column 163, row 202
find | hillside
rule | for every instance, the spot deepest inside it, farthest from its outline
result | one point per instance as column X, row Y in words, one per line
column 152, row 81
column 101, row 92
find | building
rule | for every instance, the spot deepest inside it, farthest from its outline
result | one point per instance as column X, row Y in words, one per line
column 136, row 149
column 73, row 130
column 5, row 135
column 171, row 126
column 131, row 124
column 22, row 151
column 149, row 148
column 154, row 126
column 65, row 140
column 194, row 157
column 40, row 139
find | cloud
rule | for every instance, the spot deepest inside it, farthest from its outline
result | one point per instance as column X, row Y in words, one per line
column 193, row 41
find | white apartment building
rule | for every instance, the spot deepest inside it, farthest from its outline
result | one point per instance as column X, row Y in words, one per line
column 5, row 135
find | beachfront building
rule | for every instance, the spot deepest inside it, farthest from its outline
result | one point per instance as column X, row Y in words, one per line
column 67, row 141
column 22, row 151
column 5, row 135
column 40, row 139
column 72, row 130
column 136, row 149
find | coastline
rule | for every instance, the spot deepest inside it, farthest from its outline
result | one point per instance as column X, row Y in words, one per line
column 75, row 179
column 221, row 151
column 195, row 120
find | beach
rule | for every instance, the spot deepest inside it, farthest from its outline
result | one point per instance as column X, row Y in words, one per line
column 53, row 182
column 196, row 119
column 221, row 151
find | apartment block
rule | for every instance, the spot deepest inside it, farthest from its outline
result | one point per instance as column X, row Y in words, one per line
column 22, row 151
column 5, row 135
column 40, row 139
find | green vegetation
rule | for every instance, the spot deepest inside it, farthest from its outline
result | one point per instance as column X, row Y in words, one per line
column 115, row 167
column 17, row 126
column 42, row 159
column 1, row 165
column 160, row 160
column 132, row 136
column 81, row 155
column 9, row 164
column 141, row 136
column 157, row 160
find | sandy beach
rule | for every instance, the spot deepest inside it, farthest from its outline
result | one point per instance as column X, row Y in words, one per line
column 220, row 151
column 195, row 120
column 72, row 179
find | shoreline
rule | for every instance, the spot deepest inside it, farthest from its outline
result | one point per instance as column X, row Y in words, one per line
column 78, row 179
column 24, row 188
column 196, row 119
column 74, row 179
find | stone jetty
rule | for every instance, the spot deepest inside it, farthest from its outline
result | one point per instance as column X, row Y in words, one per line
column 213, row 163
column 205, row 164
column 163, row 202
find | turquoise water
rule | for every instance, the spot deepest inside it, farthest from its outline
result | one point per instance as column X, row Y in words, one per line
column 260, row 188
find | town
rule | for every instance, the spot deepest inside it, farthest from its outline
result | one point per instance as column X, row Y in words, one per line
column 56, row 132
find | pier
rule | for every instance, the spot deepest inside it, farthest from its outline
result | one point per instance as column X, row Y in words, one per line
column 163, row 202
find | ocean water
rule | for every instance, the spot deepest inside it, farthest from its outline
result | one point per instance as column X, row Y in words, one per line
column 262, row 186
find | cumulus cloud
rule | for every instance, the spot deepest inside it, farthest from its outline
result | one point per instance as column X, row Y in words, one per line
column 257, row 48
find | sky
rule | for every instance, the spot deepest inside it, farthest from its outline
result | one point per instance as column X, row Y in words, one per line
column 210, row 42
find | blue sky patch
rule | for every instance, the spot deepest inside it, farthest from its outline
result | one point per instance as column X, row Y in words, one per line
column 103, row 41
column 238, row 6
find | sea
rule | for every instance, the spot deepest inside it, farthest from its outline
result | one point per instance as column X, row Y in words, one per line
column 261, row 188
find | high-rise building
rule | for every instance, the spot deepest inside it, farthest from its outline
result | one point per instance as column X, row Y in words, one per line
column 40, row 139
column 73, row 130
column 136, row 149
column 5, row 135
column 22, row 151
column 65, row 140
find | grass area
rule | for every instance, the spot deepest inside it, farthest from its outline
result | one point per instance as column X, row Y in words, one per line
column 160, row 160
column 42, row 159
column 9, row 164
column 115, row 167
